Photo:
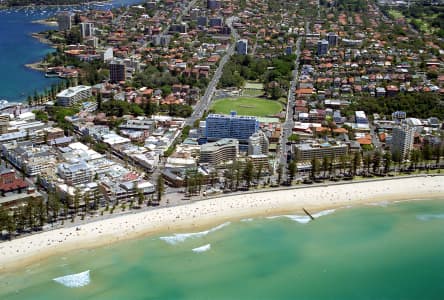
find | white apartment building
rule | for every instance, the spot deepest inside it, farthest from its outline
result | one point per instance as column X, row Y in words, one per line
column 73, row 95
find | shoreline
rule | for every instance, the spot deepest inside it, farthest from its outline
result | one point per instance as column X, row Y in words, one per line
column 192, row 217
column 56, row 5
column 36, row 66
column 45, row 22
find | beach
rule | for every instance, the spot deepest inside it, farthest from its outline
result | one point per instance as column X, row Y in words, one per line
column 215, row 211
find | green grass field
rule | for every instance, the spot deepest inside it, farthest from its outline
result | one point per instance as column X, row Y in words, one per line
column 247, row 106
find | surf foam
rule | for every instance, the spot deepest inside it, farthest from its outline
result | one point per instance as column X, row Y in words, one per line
column 429, row 217
column 182, row 237
column 74, row 280
column 202, row 248
column 305, row 219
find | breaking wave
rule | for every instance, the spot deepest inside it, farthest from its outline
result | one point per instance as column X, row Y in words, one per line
column 202, row 248
column 305, row 219
column 74, row 280
column 247, row 220
column 181, row 237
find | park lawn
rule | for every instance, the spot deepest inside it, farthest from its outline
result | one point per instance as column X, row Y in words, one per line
column 245, row 106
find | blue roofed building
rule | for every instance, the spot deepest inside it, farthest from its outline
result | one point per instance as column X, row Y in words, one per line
column 230, row 126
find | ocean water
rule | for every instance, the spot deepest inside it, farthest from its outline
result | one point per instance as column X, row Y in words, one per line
column 374, row 252
column 18, row 47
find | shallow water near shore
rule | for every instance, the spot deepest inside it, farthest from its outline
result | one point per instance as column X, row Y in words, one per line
column 371, row 252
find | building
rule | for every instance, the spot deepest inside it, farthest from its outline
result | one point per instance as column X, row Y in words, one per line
column 179, row 28
column 202, row 21
column 33, row 160
column 259, row 161
column 86, row 29
column 322, row 48
column 4, row 123
column 73, row 95
column 402, row 141
column 213, row 4
column 360, row 117
column 230, row 126
column 242, row 47
column 117, row 71
column 258, row 144
column 161, row 40
column 215, row 22
column 139, row 125
column 307, row 151
column 76, row 172
column 64, row 19
column 108, row 54
column 218, row 152
column 332, row 39
column 9, row 182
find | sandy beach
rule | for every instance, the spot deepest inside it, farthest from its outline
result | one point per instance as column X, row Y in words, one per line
column 214, row 211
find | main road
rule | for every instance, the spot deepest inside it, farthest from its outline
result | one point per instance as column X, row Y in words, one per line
column 281, row 158
column 205, row 101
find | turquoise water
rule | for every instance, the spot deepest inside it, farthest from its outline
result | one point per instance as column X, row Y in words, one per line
column 394, row 252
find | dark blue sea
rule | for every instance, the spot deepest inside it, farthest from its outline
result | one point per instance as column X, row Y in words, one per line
column 18, row 47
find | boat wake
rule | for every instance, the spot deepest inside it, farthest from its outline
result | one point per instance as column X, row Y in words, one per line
column 304, row 219
column 202, row 248
column 74, row 280
column 181, row 237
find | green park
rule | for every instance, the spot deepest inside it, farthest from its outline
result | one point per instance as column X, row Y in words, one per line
column 247, row 106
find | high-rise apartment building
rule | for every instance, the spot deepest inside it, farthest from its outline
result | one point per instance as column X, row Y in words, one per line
column 322, row 48
column 117, row 71
column 230, row 126
column 258, row 144
column 64, row 19
column 213, row 4
column 332, row 39
column 86, row 29
column 242, row 47
column 402, row 141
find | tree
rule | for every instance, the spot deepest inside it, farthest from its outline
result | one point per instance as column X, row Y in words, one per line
column 387, row 161
column 76, row 202
column 325, row 164
column 314, row 168
column 248, row 173
column 140, row 197
column 160, row 187
column 356, row 163
column 280, row 172
column 294, row 138
column 376, row 160
column 367, row 159
column 259, row 172
column 292, row 168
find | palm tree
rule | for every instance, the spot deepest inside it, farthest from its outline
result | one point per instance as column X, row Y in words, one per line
column 376, row 160
column 280, row 171
column 292, row 168
column 314, row 168
column 160, row 187
column 325, row 165
column 367, row 159
column 387, row 161
column 140, row 197
column 248, row 173
column 356, row 163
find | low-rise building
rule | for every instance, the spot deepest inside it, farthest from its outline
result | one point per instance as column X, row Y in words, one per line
column 218, row 152
column 308, row 151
